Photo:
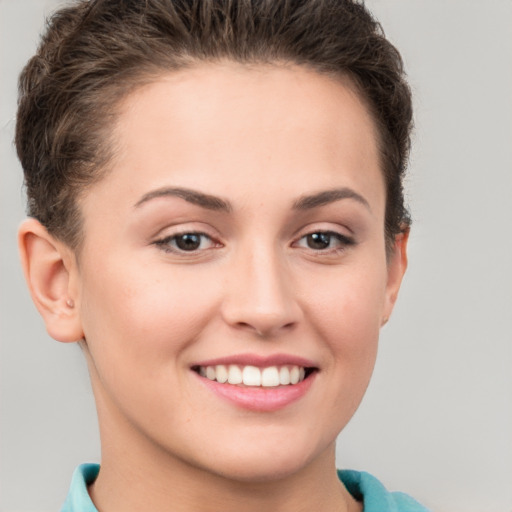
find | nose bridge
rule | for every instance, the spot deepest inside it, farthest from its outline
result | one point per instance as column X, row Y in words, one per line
column 259, row 296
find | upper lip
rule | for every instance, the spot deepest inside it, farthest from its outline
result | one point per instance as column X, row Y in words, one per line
column 259, row 361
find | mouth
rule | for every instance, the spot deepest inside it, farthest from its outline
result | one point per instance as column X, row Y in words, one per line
column 255, row 376
column 258, row 383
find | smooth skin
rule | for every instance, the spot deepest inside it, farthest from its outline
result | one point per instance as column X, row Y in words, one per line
column 274, row 172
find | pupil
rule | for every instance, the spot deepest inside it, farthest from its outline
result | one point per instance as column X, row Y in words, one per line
column 319, row 240
column 188, row 242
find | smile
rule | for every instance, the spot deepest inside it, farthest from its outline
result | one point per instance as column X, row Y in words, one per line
column 253, row 376
column 258, row 383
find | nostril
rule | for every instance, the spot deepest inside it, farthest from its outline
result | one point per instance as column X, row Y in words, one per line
column 268, row 330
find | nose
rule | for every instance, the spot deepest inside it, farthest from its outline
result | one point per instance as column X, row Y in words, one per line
column 260, row 297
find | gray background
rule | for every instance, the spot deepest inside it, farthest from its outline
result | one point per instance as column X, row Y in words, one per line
column 437, row 419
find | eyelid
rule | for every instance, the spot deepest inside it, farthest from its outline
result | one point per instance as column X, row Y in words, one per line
column 325, row 227
column 165, row 237
column 174, row 236
column 345, row 241
column 334, row 234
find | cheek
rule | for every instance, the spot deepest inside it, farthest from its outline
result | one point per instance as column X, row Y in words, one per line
column 138, row 326
column 348, row 306
column 139, row 314
column 345, row 312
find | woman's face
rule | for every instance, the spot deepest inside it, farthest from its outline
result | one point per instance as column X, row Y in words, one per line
column 239, row 235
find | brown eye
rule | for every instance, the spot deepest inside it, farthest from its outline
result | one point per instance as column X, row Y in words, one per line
column 318, row 241
column 186, row 242
column 325, row 241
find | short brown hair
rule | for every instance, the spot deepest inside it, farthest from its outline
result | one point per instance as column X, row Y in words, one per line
column 94, row 53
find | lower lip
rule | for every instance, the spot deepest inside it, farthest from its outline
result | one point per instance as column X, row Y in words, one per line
column 263, row 399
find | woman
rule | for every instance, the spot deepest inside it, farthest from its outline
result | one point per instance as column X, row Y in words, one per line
column 217, row 217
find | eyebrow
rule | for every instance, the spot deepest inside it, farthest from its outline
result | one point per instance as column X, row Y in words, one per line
column 215, row 203
column 329, row 196
column 191, row 196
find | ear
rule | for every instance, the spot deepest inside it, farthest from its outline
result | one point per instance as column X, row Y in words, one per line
column 397, row 265
column 51, row 273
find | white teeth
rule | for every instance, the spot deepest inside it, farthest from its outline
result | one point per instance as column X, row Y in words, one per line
column 251, row 376
column 235, row 374
column 294, row 375
column 284, row 376
column 221, row 373
column 271, row 376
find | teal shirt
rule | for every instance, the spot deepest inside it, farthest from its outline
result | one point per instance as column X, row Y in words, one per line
column 363, row 486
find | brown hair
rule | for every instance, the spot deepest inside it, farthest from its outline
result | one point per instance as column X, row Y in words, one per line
column 94, row 53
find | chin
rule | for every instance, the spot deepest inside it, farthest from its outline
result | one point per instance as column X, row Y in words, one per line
column 266, row 462
column 265, row 470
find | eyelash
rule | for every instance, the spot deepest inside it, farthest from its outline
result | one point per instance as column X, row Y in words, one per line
column 168, row 244
column 343, row 241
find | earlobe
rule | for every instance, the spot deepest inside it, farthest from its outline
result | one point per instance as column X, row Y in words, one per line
column 50, row 270
column 397, row 265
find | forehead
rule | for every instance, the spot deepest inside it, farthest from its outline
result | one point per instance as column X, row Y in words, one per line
column 221, row 127
column 230, row 95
